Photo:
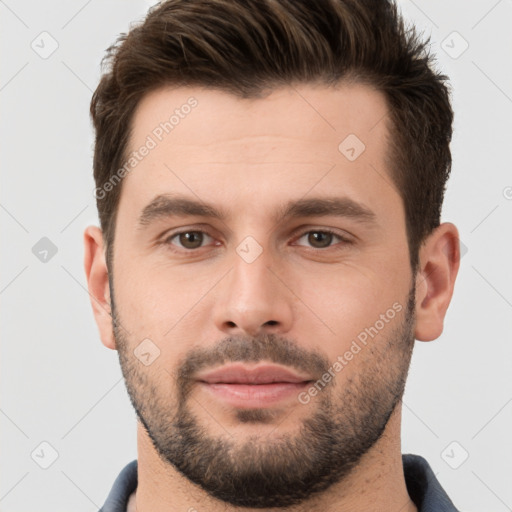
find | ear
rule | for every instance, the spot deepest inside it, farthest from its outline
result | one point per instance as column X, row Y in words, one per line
column 439, row 260
column 97, row 282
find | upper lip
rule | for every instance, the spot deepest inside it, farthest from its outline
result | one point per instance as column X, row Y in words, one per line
column 242, row 374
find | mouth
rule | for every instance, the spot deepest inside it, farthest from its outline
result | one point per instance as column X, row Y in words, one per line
column 249, row 387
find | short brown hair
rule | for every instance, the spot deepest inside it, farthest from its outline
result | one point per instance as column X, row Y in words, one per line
column 248, row 47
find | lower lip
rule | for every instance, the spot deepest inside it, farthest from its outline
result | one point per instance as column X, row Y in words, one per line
column 247, row 396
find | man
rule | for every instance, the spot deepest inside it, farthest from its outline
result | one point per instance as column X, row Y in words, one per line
column 269, row 180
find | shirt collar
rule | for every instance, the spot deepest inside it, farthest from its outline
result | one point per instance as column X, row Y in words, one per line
column 422, row 485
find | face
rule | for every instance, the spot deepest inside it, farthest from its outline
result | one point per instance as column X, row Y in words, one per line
column 255, row 233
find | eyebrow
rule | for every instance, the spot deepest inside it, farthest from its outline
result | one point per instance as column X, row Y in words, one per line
column 166, row 206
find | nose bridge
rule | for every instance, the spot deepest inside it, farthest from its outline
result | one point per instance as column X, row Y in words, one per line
column 251, row 277
column 252, row 298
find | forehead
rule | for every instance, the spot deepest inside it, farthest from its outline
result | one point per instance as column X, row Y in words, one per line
column 249, row 152
column 213, row 116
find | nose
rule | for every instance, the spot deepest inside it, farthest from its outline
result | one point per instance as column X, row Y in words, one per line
column 253, row 299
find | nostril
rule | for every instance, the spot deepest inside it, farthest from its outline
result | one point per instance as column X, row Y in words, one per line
column 271, row 322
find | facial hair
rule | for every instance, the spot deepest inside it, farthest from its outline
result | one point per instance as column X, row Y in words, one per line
column 286, row 469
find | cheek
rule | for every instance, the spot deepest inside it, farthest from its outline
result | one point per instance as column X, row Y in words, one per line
column 351, row 289
column 160, row 301
column 144, row 308
column 346, row 304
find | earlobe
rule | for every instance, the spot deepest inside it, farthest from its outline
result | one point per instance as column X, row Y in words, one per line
column 439, row 261
column 98, row 283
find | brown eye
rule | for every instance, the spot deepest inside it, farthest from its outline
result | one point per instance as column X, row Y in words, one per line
column 191, row 239
column 320, row 239
column 188, row 239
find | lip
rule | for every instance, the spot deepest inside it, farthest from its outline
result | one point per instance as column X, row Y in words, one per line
column 260, row 374
column 250, row 396
column 246, row 387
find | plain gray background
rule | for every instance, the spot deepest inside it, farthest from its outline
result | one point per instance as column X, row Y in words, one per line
column 62, row 387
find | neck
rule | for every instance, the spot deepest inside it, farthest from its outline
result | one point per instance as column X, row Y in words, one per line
column 377, row 484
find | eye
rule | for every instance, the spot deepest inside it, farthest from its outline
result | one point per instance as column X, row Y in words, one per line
column 188, row 239
column 195, row 239
column 322, row 239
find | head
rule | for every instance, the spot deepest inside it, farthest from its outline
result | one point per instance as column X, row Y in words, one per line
column 269, row 181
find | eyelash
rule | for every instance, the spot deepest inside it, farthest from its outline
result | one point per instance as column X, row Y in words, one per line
column 342, row 239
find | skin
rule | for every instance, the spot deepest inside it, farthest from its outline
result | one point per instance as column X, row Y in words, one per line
column 249, row 157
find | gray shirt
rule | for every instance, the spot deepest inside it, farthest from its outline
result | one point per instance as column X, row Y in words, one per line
column 422, row 485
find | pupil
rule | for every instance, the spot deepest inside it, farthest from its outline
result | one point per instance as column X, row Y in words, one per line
column 318, row 236
column 191, row 240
